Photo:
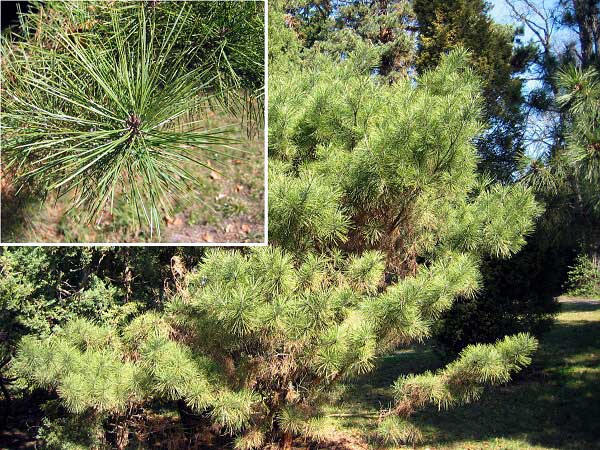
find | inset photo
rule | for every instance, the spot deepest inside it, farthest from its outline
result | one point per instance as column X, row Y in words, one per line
column 133, row 122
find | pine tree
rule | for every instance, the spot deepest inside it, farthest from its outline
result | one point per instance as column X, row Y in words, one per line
column 498, row 60
column 397, row 161
column 378, row 220
column 340, row 27
column 569, row 177
column 563, row 164
column 509, row 300
column 257, row 342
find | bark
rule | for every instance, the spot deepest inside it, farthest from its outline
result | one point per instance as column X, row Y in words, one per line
column 592, row 247
column 588, row 21
column 286, row 441
column 122, row 436
column 386, row 35
column 5, row 392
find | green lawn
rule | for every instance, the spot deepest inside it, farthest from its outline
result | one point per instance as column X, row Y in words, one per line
column 555, row 404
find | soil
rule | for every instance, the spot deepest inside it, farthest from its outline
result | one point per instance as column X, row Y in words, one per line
column 230, row 209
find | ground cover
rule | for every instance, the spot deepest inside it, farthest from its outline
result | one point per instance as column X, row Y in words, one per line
column 554, row 404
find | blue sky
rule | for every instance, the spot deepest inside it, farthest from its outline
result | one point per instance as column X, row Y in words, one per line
column 501, row 13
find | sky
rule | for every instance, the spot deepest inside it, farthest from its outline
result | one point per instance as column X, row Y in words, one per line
column 501, row 13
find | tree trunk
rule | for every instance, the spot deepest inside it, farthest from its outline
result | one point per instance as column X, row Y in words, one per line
column 122, row 439
column 588, row 22
column 4, row 380
column 592, row 247
column 286, row 441
column 5, row 392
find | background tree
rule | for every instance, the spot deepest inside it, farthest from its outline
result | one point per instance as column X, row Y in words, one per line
column 444, row 25
column 339, row 27
column 554, row 168
column 563, row 163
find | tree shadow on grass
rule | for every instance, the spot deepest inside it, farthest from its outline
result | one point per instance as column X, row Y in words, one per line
column 580, row 306
column 555, row 403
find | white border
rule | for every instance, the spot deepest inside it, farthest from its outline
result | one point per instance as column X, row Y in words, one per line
column 186, row 244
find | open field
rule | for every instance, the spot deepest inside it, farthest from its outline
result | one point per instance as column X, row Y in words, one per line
column 555, row 404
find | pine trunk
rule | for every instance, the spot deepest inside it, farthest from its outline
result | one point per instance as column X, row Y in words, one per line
column 286, row 441
column 586, row 15
column 593, row 248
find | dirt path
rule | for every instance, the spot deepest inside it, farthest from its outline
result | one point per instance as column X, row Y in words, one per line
column 577, row 300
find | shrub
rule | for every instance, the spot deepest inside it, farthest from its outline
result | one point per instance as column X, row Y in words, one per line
column 583, row 279
column 517, row 295
column 258, row 352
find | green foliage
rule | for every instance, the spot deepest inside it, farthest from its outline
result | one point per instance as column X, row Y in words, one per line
column 339, row 28
column 283, row 44
column 94, row 372
column 583, row 279
column 86, row 369
column 396, row 431
column 516, row 295
column 71, row 433
column 463, row 380
column 495, row 57
column 581, row 97
column 395, row 164
column 36, row 283
column 567, row 179
column 304, row 212
column 116, row 110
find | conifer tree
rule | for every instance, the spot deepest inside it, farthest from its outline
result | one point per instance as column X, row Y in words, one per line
column 397, row 161
column 378, row 222
column 496, row 57
column 258, row 342
column 341, row 27
column 569, row 177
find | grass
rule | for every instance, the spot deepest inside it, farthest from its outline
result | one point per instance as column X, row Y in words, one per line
column 554, row 404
